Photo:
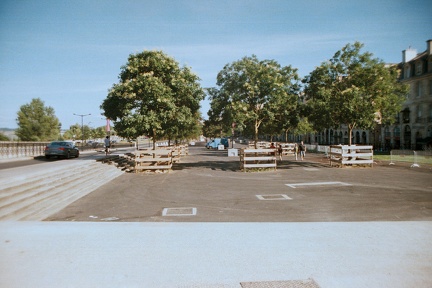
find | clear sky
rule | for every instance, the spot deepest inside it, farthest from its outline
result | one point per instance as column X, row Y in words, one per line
column 69, row 53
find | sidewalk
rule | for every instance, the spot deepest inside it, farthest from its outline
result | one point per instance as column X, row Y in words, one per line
column 359, row 254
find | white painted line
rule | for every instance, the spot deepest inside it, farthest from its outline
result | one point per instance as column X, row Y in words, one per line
column 295, row 185
column 179, row 211
column 311, row 169
column 273, row 197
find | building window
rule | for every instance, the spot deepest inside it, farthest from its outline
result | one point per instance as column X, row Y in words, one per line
column 397, row 132
column 419, row 114
column 397, row 118
column 419, row 91
column 407, row 71
column 387, row 132
column 419, row 68
column 406, row 115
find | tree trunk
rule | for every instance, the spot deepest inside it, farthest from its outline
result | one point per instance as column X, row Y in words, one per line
column 350, row 131
column 256, row 133
column 154, row 140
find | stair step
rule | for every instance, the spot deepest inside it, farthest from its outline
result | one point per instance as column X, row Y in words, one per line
column 14, row 177
column 20, row 206
column 62, row 200
column 39, row 200
column 33, row 187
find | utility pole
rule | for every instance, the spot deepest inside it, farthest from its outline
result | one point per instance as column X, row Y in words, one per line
column 82, row 126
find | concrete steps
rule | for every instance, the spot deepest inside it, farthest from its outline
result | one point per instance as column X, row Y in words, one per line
column 125, row 162
column 36, row 192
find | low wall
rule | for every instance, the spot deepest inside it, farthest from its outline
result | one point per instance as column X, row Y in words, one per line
column 12, row 149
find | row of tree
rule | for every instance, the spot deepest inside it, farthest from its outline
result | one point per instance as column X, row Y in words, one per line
column 158, row 98
column 264, row 98
column 37, row 122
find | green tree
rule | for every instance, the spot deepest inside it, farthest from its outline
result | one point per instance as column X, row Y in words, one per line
column 253, row 92
column 154, row 97
column 99, row 132
column 37, row 122
column 74, row 132
column 353, row 88
column 219, row 117
column 3, row 137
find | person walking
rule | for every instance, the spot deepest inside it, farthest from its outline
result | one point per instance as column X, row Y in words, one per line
column 296, row 150
column 302, row 149
column 107, row 144
column 280, row 150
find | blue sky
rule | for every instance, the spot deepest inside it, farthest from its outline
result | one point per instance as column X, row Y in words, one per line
column 69, row 53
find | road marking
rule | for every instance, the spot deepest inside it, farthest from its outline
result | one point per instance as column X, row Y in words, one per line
column 180, row 211
column 311, row 169
column 273, row 197
column 295, row 185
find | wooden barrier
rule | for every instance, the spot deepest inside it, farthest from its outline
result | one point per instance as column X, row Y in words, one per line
column 176, row 153
column 351, row 155
column 159, row 159
column 287, row 149
column 184, row 150
column 257, row 158
column 260, row 144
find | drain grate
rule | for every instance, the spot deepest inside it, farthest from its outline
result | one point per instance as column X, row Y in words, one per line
column 273, row 197
column 310, row 283
column 181, row 211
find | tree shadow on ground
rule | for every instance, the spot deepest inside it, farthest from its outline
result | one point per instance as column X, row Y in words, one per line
column 213, row 165
column 287, row 164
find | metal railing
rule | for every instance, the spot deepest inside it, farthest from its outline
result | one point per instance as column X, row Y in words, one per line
column 12, row 149
column 415, row 158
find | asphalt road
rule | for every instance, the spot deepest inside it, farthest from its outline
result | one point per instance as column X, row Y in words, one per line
column 207, row 186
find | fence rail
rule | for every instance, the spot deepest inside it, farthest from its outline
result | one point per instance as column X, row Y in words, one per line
column 415, row 158
column 11, row 149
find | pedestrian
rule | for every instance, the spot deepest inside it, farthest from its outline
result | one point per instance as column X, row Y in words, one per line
column 280, row 150
column 272, row 146
column 107, row 144
column 296, row 149
column 302, row 149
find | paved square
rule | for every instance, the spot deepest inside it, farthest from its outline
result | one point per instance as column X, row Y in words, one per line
column 212, row 182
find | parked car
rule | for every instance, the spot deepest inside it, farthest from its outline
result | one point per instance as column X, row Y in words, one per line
column 216, row 142
column 61, row 149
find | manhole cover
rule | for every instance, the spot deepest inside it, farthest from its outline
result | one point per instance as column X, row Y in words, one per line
column 310, row 283
column 273, row 197
column 182, row 211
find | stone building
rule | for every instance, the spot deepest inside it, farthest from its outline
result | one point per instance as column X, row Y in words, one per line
column 413, row 128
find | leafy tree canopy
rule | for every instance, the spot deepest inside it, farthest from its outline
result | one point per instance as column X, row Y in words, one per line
column 154, row 97
column 3, row 137
column 353, row 88
column 37, row 122
column 252, row 92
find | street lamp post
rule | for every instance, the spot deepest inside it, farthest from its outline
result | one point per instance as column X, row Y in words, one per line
column 82, row 126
